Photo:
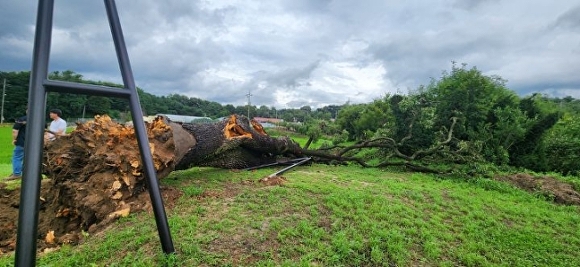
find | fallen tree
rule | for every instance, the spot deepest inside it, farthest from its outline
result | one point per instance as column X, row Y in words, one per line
column 96, row 173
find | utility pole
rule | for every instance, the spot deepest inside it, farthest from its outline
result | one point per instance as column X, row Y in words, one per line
column 249, row 95
column 3, row 94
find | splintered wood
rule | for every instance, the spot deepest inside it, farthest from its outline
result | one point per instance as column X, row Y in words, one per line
column 235, row 130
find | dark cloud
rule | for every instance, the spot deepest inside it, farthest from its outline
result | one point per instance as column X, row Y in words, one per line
column 77, row 14
column 570, row 19
column 19, row 19
column 288, row 77
column 556, row 88
column 412, row 59
column 471, row 4
column 291, row 53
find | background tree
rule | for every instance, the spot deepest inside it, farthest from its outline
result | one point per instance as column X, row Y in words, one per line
column 348, row 121
column 477, row 100
column 530, row 151
column 492, row 123
column 313, row 129
column 562, row 145
column 98, row 105
column 16, row 94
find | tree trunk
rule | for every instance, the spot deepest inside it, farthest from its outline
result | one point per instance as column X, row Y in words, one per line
column 96, row 171
column 234, row 143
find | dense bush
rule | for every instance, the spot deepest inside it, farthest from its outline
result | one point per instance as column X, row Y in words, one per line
column 563, row 146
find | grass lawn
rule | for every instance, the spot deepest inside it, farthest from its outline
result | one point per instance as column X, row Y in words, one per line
column 6, row 149
column 333, row 216
column 6, row 146
column 338, row 216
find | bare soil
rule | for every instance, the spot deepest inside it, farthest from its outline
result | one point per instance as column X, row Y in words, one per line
column 54, row 225
column 54, row 231
column 95, row 177
column 552, row 188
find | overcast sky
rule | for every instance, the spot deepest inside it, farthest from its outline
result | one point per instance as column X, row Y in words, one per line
column 292, row 53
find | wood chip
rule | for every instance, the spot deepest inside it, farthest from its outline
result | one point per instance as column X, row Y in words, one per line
column 116, row 185
column 49, row 237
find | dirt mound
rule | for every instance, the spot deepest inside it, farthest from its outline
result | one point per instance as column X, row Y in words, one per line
column 96, row 171
column 275, row 180
column 561, row 192
column 8, row 219
column 54, row 228
column 95, row 177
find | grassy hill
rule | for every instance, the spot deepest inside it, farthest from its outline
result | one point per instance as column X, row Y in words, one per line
column 337, row 216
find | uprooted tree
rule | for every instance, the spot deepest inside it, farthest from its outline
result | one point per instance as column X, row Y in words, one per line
column 96, row 171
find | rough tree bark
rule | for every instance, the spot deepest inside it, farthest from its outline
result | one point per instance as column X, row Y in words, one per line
column 234, row 143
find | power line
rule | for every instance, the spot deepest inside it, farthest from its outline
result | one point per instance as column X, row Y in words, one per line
column 3, row 94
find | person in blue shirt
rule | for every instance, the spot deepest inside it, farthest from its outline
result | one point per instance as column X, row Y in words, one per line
column 18, row 133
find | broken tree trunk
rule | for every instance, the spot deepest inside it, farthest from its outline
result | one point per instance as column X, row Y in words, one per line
column 96, row 171
column 234, row 143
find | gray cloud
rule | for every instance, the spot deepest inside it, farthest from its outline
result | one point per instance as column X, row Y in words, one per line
column 16, row 22
column 300, row 52
column 471, row 4
column 288, row 77
column 570, row 19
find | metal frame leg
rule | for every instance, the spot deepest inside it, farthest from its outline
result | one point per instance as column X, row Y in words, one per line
column 39, row 86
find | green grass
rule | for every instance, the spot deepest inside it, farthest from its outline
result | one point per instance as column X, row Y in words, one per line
column 334, row 216
column 6, row 146
column 338, row 216
column 6, row 149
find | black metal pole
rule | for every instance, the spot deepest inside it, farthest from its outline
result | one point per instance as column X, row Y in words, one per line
column 39, row 86
column 30, row 188
column 289, row 167
column 139, row 124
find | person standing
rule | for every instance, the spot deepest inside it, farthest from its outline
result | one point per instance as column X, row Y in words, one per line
column 18, row 133
column 57, row 125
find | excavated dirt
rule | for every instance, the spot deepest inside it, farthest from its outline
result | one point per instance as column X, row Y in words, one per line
column 55, row 230
column 561, row 192
column 95, row 177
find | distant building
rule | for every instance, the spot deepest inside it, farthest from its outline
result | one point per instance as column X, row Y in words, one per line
column 268, row 120
column 186, row 119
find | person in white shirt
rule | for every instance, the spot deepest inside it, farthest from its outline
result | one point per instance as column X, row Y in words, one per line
column 57, row 125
